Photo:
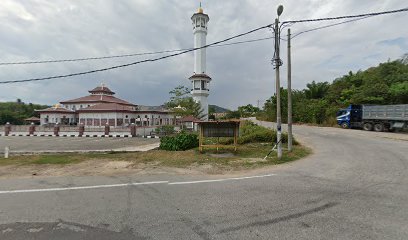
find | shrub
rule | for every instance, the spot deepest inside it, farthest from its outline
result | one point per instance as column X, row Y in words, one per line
column 253, row 133
column 179, row 142
column 165, row 130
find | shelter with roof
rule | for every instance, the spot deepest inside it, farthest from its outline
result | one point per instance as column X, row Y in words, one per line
column 100, row 108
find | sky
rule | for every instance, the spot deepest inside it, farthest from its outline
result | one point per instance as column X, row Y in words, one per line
column 32, row 30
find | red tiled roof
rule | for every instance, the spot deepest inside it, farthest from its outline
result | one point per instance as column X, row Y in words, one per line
column 32, row 119
column 101, row 89
column 98, row 98
column 189, row 119
column 55, row 110
column 200, row 75
column 108, row 107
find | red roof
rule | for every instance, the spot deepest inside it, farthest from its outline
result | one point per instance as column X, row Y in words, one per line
column 108, row 107
column 200, row 75
column 55, row 110
column 189, row 119
column 32, row 119
column 98, row 99
column 101, row 89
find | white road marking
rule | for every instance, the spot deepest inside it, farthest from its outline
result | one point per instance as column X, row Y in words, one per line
column 130, row 184
column 79, row 188
column 220, row 180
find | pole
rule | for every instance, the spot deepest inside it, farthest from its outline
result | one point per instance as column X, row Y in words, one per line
column 290, row 137
column 278, row 100
column 6, row 152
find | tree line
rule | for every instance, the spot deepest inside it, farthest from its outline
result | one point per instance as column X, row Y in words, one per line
column 15, row 112
column 318, row 103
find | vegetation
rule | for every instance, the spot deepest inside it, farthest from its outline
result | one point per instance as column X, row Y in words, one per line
column 180, row 142
column 247, row 156
column 319, row 102
column 183, row 104
column 16, row 112
column 165, row 130
column 253, row 133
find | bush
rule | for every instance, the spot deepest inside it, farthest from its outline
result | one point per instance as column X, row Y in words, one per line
column 165, row 130
column 253, row 133
column 179, row 142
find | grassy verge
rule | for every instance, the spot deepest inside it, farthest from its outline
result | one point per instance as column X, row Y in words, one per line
column 247, row 156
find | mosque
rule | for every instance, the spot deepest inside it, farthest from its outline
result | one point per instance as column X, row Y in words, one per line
column 101, row 107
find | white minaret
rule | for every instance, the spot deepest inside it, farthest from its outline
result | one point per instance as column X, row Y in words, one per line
column 200, row 80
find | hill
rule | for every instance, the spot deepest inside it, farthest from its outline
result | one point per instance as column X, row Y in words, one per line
column 218, row 109
column 16, row 112
column 384, row 84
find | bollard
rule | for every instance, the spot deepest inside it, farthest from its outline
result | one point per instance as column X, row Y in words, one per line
column 31, row 129
column 107, row 128
column 56, row 130
column 7, row 129
column 81, row 130
column 133, row 130
column 6, row 152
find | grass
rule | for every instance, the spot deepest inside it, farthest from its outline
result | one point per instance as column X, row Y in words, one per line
column 247, row 156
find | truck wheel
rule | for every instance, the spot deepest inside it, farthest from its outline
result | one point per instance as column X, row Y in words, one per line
column 378, row 127
column 344, row 125
column 368, row 126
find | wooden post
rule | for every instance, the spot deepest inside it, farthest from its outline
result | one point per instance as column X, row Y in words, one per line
column 201, row 139
column 236, row 129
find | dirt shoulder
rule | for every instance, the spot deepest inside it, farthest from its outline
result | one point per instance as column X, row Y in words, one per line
column 248, row 157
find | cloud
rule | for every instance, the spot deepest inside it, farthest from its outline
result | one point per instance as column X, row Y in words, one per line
column 242, row 74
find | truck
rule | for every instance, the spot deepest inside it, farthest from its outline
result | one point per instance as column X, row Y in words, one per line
column 374, row 117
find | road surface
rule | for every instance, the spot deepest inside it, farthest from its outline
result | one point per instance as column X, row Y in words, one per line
column 354, row 186
column 73, row 144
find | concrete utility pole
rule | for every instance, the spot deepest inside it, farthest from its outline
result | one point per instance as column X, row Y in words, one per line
column 290, row 137
column 278, row 100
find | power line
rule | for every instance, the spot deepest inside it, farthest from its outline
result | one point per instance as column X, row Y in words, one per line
column 127, row 55
column 361, row 16
column 183, row 51
column 330, row 25
column 344, row 17
column 137, row 62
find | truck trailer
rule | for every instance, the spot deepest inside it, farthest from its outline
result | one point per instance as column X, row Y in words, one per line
column 374, row 117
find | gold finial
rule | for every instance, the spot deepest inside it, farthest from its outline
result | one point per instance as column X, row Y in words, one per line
column 200, row 10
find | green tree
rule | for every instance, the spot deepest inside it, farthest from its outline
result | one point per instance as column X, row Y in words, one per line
column 183, row 104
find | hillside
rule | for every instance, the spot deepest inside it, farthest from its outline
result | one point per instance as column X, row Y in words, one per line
column 386, row 83
column 218, row 109
column 16, row 112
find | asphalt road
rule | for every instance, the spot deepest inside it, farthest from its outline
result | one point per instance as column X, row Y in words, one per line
column 355, row 186
column 61, row 144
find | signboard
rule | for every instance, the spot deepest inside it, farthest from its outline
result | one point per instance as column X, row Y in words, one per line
column 216, row 129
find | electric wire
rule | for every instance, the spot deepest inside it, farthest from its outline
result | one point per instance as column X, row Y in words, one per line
column 135, row 63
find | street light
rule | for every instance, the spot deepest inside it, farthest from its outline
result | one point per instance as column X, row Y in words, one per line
column 277, row 63
column 279, row 10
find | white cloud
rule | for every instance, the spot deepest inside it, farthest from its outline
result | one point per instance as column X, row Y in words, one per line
column 35, row 30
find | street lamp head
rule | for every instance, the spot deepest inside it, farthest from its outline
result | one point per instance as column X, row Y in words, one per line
column 280, row 10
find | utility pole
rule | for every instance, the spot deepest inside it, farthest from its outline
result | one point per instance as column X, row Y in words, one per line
column 290, row 137
column 278, row 100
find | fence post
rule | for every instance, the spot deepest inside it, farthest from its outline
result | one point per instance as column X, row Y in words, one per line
column 6, row 152
column 107, row 128
column 31, row 129
column 81, row 130
column 56, row 130
column 133, row 130
column 7, row 129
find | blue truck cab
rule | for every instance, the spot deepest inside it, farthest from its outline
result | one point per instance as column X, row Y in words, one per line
column 350, row 117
